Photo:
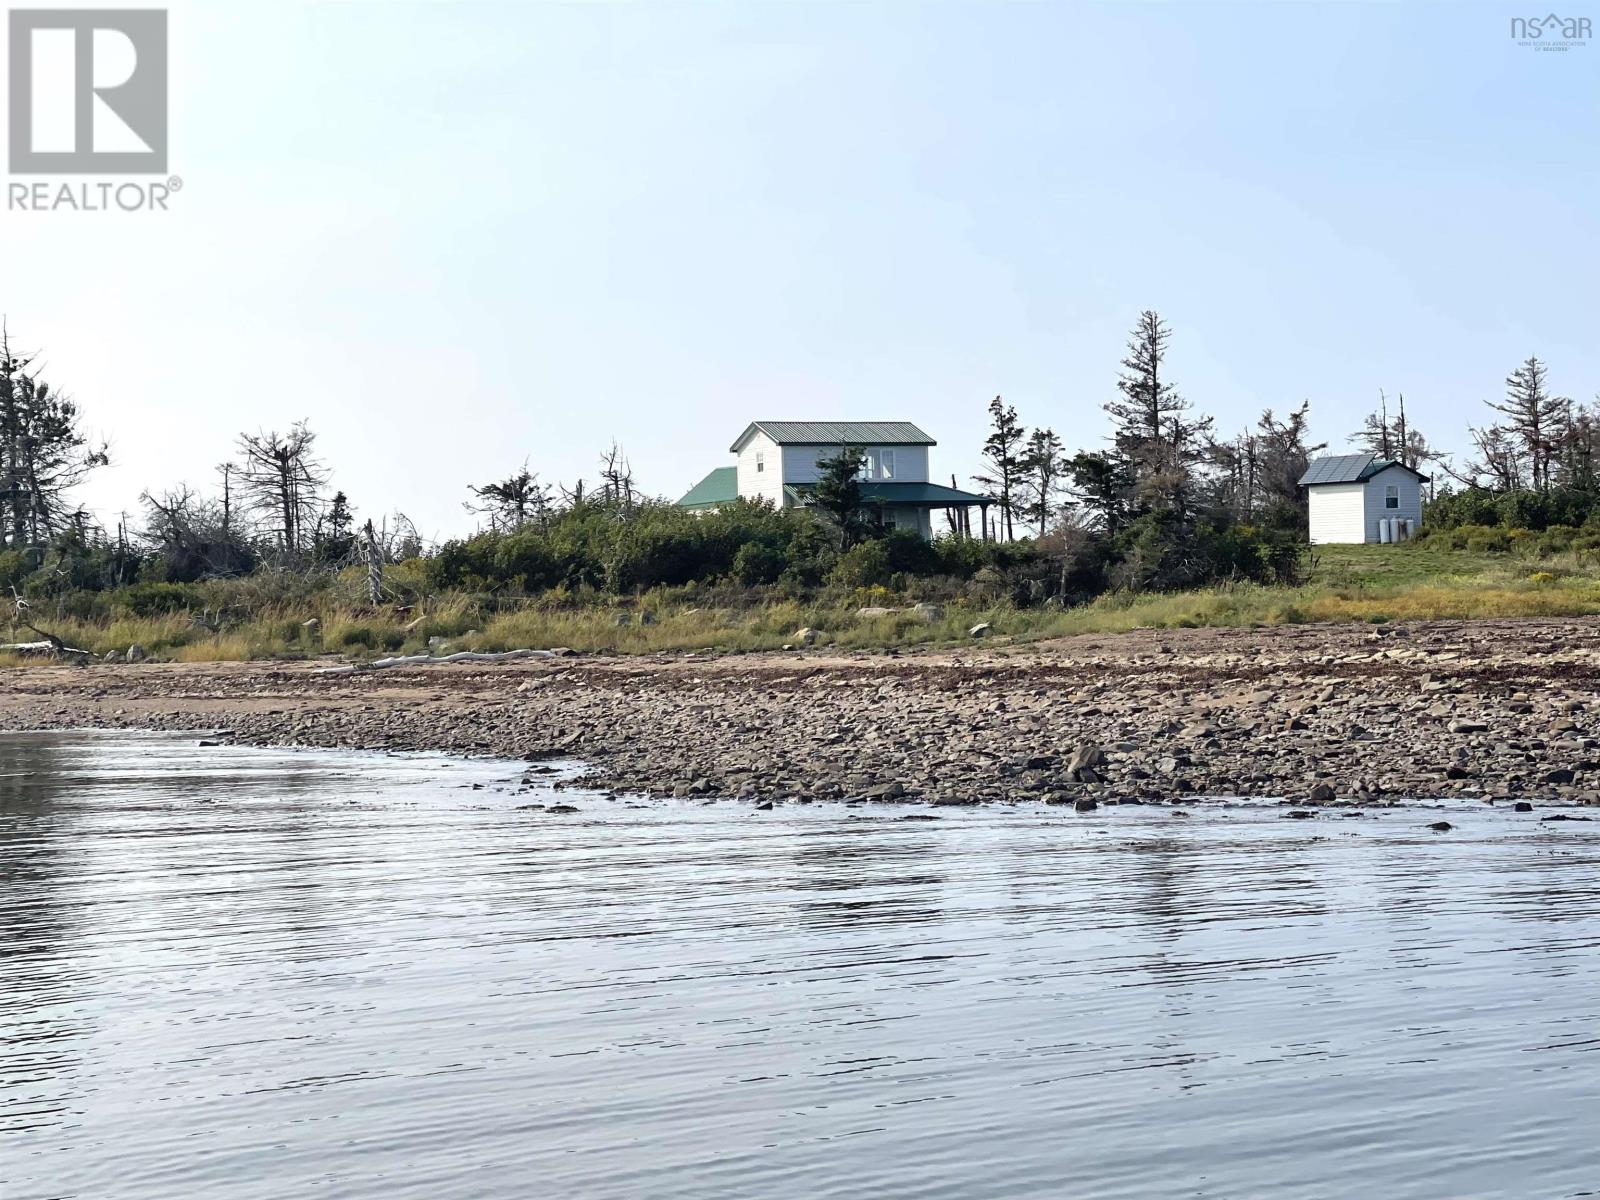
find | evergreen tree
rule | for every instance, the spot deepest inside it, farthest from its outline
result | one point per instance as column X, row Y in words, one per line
column 1535, row 420
column 1282, row 458
column 512, row 502
column 335, row 536
column 1580, row 449
column 1042, row 470
column 1103, row 487
column 1153, row 431
column 837, row 494
column 43, row 454
column 1002, row 452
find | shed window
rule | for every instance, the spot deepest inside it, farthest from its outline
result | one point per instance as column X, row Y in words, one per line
column 886, row 464
column 761, row 461
column 1391, row 496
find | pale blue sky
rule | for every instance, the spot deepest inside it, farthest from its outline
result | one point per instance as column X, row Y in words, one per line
column 458, row 236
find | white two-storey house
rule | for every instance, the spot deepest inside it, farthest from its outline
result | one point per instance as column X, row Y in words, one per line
column 777, row 461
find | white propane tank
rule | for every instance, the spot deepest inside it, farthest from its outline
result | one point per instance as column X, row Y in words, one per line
column 1383, row 530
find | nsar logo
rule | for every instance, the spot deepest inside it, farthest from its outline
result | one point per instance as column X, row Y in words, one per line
column 1550, row 32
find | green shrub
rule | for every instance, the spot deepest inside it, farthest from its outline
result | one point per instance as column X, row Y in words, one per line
column 863, row 565
column 757, row 563
column 1488, row 541
column 154, row 599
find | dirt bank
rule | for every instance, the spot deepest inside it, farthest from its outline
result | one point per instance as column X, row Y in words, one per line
column 1499, row 709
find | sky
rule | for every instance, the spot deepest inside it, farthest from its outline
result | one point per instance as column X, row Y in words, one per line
column 458, row 237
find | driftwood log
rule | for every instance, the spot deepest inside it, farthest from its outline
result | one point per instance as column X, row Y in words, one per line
column 429, row 660
column 50, row 646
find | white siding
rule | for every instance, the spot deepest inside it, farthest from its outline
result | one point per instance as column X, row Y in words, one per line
column 800, row 462
column 1410, row 488
column 1338, row 513
column 765, row 484
column 1348, row 513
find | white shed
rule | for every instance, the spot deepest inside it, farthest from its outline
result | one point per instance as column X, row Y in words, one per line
column 1352, row 495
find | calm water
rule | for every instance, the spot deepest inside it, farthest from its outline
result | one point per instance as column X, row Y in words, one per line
column 245, row 973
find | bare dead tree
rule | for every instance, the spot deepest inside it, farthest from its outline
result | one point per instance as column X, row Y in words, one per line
column 282, row 479
column 616, row 478
column 192, row 534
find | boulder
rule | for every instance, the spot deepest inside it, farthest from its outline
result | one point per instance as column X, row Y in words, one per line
column 805, row 637
column 1083, row 761
column 981, row 629
column 135, row 653
column 929, row 612
column 1322, row 793
column 876, row 610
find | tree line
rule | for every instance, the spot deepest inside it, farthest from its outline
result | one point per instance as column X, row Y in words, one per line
column 1165, row 500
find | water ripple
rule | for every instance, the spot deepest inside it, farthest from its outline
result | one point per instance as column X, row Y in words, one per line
column 252, row 973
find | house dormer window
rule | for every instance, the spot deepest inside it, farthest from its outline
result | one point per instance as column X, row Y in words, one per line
column 761, row 461
column 1391, row 496
column 886, row 464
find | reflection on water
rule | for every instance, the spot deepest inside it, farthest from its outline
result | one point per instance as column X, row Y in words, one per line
column 250, row 973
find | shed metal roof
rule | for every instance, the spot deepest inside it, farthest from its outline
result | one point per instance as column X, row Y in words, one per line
column 836, row 433
column 1337, row 468
column 719, row 487
column 1350, row 468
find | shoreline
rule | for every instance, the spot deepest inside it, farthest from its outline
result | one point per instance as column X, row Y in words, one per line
column 1497, row 710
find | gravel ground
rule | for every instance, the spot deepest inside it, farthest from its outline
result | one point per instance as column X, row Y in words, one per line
column 1313, row 715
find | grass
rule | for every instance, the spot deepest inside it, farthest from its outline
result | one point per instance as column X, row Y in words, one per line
column 1344, row 583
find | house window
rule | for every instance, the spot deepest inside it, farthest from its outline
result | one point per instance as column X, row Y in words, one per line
column 1391, row 496
column 761, row 461
column 886, row 463
column 869, row 465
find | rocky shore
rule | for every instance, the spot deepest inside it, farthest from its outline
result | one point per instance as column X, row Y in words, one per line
column 1314, row 715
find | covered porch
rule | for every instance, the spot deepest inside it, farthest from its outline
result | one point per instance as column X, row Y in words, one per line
column 911, row 506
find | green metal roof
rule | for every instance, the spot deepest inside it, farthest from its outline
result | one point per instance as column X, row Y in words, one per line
column 719, row 487
column 923, row 495
column 837, row 433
